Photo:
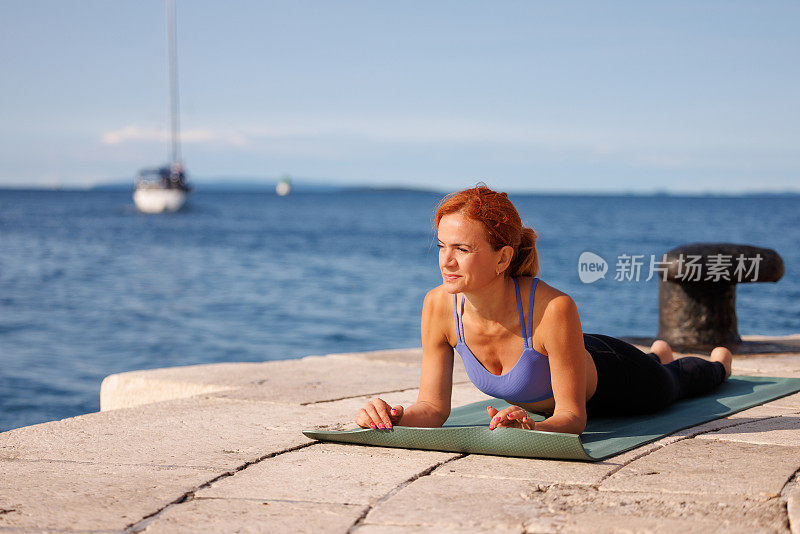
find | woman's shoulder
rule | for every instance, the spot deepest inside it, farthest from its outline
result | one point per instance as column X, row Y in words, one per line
column 554, row 309
column 555, row 304
column 543, row 288
column 550, row 298
column 437, row 298
column 438, row 305
column 437, row 315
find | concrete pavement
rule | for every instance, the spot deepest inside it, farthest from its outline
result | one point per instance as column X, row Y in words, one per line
column 218, row 448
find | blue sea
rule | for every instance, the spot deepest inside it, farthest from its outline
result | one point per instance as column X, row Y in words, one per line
column 90, row 287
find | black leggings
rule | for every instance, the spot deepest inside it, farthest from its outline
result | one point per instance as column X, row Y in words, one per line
column 631, row 382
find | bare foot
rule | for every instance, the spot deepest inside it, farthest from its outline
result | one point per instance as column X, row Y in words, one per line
column 724, row 356
column 662, row 349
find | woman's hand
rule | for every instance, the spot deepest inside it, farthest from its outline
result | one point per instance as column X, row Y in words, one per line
column 513, row 416
column 378, row 414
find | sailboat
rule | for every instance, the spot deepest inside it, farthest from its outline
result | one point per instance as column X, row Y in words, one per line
column 165, row 188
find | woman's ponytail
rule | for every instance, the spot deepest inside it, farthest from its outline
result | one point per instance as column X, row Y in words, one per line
column 526, row 259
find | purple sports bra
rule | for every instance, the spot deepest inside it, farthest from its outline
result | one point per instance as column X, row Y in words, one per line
column 528, row 380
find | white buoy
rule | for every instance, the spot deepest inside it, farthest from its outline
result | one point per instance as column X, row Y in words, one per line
column 284, row 187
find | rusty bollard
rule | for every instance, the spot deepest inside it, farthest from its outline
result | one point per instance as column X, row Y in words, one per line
column 697, row 291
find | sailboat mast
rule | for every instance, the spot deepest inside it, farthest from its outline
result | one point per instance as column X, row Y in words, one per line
column 173, row 80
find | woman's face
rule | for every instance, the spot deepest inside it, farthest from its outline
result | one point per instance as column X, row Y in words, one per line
column 466, row 258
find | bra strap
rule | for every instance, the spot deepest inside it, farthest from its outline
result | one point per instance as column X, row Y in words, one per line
column 455, row 317
column 461, row 318
column 521, row 315
column 534, row 283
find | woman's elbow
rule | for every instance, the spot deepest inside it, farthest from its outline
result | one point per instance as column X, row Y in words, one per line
column 573, row 423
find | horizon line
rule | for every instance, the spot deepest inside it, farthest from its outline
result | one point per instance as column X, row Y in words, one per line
column 266, row 185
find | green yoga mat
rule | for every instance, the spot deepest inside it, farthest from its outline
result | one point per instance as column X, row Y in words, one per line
column 467, row 428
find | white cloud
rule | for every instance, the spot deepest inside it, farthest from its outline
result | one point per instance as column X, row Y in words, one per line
column 348, row 136
column 292, row 132
column 395, row 129
column 342, row 137
column 134, row 133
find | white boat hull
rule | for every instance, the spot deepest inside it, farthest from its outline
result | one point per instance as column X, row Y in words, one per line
column 159, row 200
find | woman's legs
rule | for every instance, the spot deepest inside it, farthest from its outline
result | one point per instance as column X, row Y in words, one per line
column 662, row 349
column 633, row 382
column 720, row 354
column 723, row 356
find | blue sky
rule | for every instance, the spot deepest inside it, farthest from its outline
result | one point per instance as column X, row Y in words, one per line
column 527, row 96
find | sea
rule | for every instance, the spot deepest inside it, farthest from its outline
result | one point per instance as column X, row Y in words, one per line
column 90, row 287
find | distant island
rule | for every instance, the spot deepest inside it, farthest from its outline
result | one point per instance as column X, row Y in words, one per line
column 300, row 185
column 229, row 184
column 220, row 185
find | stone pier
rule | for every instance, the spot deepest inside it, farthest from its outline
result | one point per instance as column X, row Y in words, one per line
column 218, row 448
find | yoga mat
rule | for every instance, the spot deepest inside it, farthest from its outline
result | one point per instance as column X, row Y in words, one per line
column 467, row 428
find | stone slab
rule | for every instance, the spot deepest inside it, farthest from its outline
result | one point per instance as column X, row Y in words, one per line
column 432, row 529
column 327, row 473
column 246, row 516
column 135, row 388
column 447, row 501
column 793, row 510
column 590, row 511
column 471, row 504
column 709, row 467
column 410, row 356
column 309, row 379
column 533, row 470
column 789, row 401
column 195, row 432
column 408, row 395
column 767, row 365
column 783, row 430
column 70, row 495
column 756, row 413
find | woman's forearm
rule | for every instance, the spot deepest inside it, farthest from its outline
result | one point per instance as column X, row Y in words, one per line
column 421, row 415
column 566, row 423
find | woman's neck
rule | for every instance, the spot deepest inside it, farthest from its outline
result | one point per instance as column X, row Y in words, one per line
column 490, row 303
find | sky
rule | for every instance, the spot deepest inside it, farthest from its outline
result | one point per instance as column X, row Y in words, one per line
column 678, row 96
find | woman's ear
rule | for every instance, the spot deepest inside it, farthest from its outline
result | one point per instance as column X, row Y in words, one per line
column 506, row 255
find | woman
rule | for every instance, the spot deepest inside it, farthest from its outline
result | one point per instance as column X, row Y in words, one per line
column 488, row 261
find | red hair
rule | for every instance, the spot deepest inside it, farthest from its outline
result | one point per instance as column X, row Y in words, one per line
column 501, row 221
